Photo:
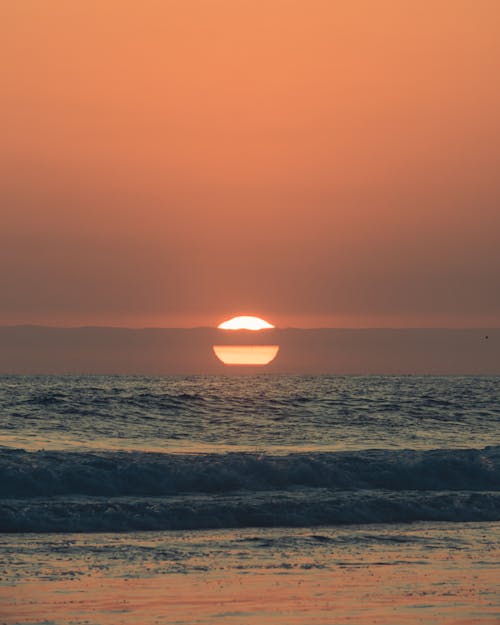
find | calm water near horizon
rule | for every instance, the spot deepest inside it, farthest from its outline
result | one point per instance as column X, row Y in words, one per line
column 255, row 413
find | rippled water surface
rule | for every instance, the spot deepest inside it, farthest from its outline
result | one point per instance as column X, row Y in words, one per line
column 261, row 413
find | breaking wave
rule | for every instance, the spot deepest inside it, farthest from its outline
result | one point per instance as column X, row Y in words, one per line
column 264, row 509
column 118, row 491
column 47, row 473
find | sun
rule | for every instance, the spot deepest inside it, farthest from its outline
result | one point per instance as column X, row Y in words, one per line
column 245, row 323
column 245, row 354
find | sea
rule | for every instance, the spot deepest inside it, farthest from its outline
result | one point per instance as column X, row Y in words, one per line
column 226, row 477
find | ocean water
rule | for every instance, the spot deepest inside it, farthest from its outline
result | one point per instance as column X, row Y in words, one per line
column 183, row 453
column 249, row 500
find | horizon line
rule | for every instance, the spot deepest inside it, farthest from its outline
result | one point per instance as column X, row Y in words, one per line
column 202, row 327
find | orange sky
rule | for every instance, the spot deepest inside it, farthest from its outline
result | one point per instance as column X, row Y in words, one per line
column 175, row 162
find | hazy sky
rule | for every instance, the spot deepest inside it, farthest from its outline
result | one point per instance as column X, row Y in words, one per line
column 173, row 162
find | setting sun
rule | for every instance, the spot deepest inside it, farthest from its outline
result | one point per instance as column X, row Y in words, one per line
column 246, row 354
column 245, row 323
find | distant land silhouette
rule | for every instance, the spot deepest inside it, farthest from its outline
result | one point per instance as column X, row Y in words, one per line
column 168, row 351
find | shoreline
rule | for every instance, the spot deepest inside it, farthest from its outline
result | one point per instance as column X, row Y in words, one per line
column 364, row 574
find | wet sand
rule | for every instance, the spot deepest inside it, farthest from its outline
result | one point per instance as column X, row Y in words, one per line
column 398, row 574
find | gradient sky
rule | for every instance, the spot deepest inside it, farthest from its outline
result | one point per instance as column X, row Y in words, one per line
column 175, row 162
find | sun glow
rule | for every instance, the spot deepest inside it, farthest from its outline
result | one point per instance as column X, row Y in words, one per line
column 245, row 323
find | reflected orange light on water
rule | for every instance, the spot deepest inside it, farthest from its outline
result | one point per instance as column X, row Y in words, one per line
column 246, row 354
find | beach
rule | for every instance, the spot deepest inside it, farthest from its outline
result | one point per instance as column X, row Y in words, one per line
column 387, row 574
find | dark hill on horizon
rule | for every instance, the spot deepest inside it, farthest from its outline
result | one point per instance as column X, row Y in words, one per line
column 168, row 351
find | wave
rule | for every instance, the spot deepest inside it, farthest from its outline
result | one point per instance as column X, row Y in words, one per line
column 48, row 491
column 97, row 397
column 265, row 509
column 26, row 474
